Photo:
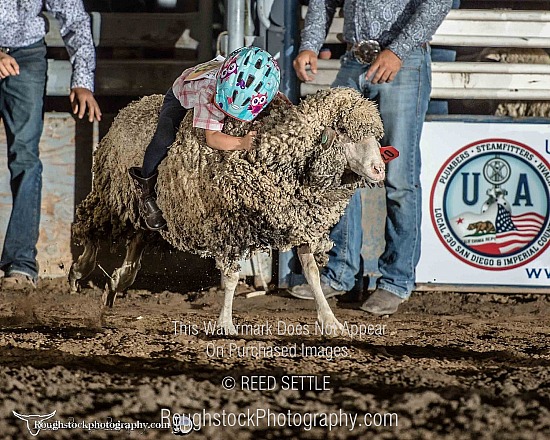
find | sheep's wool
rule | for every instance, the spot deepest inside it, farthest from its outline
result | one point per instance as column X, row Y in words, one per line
column 287, row 191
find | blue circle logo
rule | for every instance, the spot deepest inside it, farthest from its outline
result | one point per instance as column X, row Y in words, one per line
column 181, row 424
column 489, row 204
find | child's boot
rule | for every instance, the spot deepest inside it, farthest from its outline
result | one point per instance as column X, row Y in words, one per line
column 148, row 207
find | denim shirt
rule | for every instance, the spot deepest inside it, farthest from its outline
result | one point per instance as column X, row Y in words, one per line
column 398, row 25
column 21, row 24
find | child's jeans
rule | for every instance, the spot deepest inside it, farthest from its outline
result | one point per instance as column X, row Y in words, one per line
column 170, row 117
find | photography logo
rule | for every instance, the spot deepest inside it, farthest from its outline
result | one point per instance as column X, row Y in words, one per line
column 489, row 204
column 181, row 424
column 32, row 420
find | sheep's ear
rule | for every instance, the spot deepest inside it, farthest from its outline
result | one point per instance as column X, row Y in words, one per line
column 328, row 136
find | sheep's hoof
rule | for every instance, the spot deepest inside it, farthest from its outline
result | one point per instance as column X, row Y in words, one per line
column 74, row 285
column 331, row 327
column 74, row 279
column 227, row 327
column 108, row 297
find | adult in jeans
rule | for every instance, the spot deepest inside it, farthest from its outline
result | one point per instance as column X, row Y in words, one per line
column 23, row 69
column 398, row 78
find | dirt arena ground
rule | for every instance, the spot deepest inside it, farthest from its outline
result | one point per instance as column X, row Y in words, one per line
column 447, row 366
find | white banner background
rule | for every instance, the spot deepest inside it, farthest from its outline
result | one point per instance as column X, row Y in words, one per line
column 440, row 141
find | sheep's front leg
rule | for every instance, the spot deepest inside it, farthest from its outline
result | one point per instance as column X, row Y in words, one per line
column 124, row 276
column 328, row 322
column 225, row 321
column 84, row 265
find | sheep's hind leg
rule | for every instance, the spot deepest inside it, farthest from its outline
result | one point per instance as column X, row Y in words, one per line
column 124, row 276
column 328, row 322
column 225, row 321
column 84, row 265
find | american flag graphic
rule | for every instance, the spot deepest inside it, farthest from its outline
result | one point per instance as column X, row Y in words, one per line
column 503, row 222
column 513, row 232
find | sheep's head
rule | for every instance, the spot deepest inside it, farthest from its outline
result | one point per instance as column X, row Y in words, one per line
column 340, row 161
column 364, row 158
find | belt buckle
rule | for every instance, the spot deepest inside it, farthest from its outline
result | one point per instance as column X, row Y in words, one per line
column 5, row 50
column 366, row 51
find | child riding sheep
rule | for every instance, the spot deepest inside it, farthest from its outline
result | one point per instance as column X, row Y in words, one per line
column 240, row 86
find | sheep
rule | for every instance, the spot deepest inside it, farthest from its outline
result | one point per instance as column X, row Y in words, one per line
column 518, row 109
column 288, row 191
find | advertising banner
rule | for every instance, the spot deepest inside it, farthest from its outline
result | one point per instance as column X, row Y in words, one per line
column 486, row 197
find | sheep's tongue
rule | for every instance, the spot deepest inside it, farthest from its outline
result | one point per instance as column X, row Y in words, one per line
column 389, row 153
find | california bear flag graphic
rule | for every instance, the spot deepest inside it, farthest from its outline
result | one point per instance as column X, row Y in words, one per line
column 496, row 231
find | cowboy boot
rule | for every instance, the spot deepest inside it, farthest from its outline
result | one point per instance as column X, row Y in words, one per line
column 148, row 208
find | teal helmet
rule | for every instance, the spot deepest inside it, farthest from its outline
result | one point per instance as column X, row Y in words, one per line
column 246, row 83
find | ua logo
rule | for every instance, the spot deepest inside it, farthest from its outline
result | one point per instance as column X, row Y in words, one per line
column 32, row 420
column 512, row 225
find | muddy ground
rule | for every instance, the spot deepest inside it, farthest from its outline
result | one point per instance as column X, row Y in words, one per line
column 447, row 366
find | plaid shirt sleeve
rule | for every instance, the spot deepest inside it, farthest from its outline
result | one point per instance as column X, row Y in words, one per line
column 198, row 96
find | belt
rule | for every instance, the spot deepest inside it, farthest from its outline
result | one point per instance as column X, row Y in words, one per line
column 366, row 51
column 34, row 45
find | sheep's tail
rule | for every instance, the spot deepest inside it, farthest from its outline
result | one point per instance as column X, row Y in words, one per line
column 95, row 221
column 91, row 221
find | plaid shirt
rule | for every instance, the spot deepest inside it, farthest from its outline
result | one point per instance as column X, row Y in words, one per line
column 198, row 95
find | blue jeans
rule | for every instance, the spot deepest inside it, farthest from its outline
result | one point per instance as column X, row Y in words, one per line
column 21, row 108
column 402, row 104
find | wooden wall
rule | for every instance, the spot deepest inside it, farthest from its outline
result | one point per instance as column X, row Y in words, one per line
column 59, row 157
